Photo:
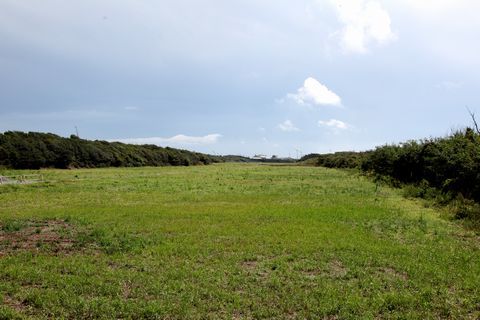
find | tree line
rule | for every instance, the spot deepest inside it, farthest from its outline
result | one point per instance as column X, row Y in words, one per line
column 446, row 168
column 34, row 150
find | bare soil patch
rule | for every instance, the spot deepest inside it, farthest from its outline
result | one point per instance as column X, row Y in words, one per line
column 47, row 235
column 336, row 269
column 312, row 274
column 249, row 265
column 256, row 268
column 392, row 273
column 14, row 304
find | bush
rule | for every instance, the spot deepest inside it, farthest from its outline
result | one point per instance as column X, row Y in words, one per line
column 444, row 169
column 450, row 164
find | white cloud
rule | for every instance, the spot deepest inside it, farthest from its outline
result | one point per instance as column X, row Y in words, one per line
column 365, row 22
column 316, row 93
column 175, row 140
column 450, row 85
column 435, row 7
column 287, row 126
column 334, row 124
column 131, row 108
column 450, row 44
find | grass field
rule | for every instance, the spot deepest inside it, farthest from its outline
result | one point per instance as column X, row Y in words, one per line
column 229, row 241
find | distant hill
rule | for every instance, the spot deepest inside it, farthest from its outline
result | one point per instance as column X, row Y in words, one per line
column 33, row 150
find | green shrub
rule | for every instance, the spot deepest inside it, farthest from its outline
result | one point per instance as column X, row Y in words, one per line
column 441, row 169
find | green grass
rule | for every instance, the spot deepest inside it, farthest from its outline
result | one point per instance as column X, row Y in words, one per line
column 235, row 241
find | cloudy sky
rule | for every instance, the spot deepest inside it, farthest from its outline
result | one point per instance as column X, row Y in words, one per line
column 240, row 77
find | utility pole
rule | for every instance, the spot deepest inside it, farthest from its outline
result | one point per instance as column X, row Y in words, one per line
column 76, row 130
column 299, row 152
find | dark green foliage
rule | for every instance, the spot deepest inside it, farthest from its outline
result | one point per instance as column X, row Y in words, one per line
column 450, row 164
column 338, row 159
column 35, row 150
column 309, row 156
column 445, row 169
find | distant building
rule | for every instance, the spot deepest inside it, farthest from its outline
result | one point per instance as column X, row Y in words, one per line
column 259, row 157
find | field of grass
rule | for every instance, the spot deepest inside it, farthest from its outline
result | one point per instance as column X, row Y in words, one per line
column 229, row 241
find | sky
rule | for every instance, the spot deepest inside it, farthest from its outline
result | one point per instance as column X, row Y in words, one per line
column 271, row 77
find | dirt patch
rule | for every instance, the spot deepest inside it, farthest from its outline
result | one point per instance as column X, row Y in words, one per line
column 312, row 274
column 336, row 269
column 237, row 315
column 50, row 235
column 249, row 265
column 14, row 304
column 123, row 266
column 127, row 288
column 392, row 273
column 259, row 270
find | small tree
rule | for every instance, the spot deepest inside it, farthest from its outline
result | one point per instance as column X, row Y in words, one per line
column 472, row 115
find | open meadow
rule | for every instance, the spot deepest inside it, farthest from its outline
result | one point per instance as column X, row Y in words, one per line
column 229, row 241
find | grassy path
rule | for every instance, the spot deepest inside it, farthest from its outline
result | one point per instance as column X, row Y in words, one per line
column 229, row 241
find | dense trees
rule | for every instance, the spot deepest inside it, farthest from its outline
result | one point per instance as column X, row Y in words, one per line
column 35, row 150
column 341, row 159
column 449, row 166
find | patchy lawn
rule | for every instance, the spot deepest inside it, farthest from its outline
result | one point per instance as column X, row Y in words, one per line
column 228, row 241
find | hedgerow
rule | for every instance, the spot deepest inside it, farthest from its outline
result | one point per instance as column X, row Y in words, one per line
column 34, row 150
column 446, row 168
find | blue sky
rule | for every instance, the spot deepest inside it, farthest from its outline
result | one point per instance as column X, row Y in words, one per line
column 240, row 77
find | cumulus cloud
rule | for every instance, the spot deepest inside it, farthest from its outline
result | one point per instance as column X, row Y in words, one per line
column 453, row 43
column 450, row 85
column 435, row 7
column 365, row 22
column 175, row 140
column 287, row 126
column 313, row 92
column 334, row 124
